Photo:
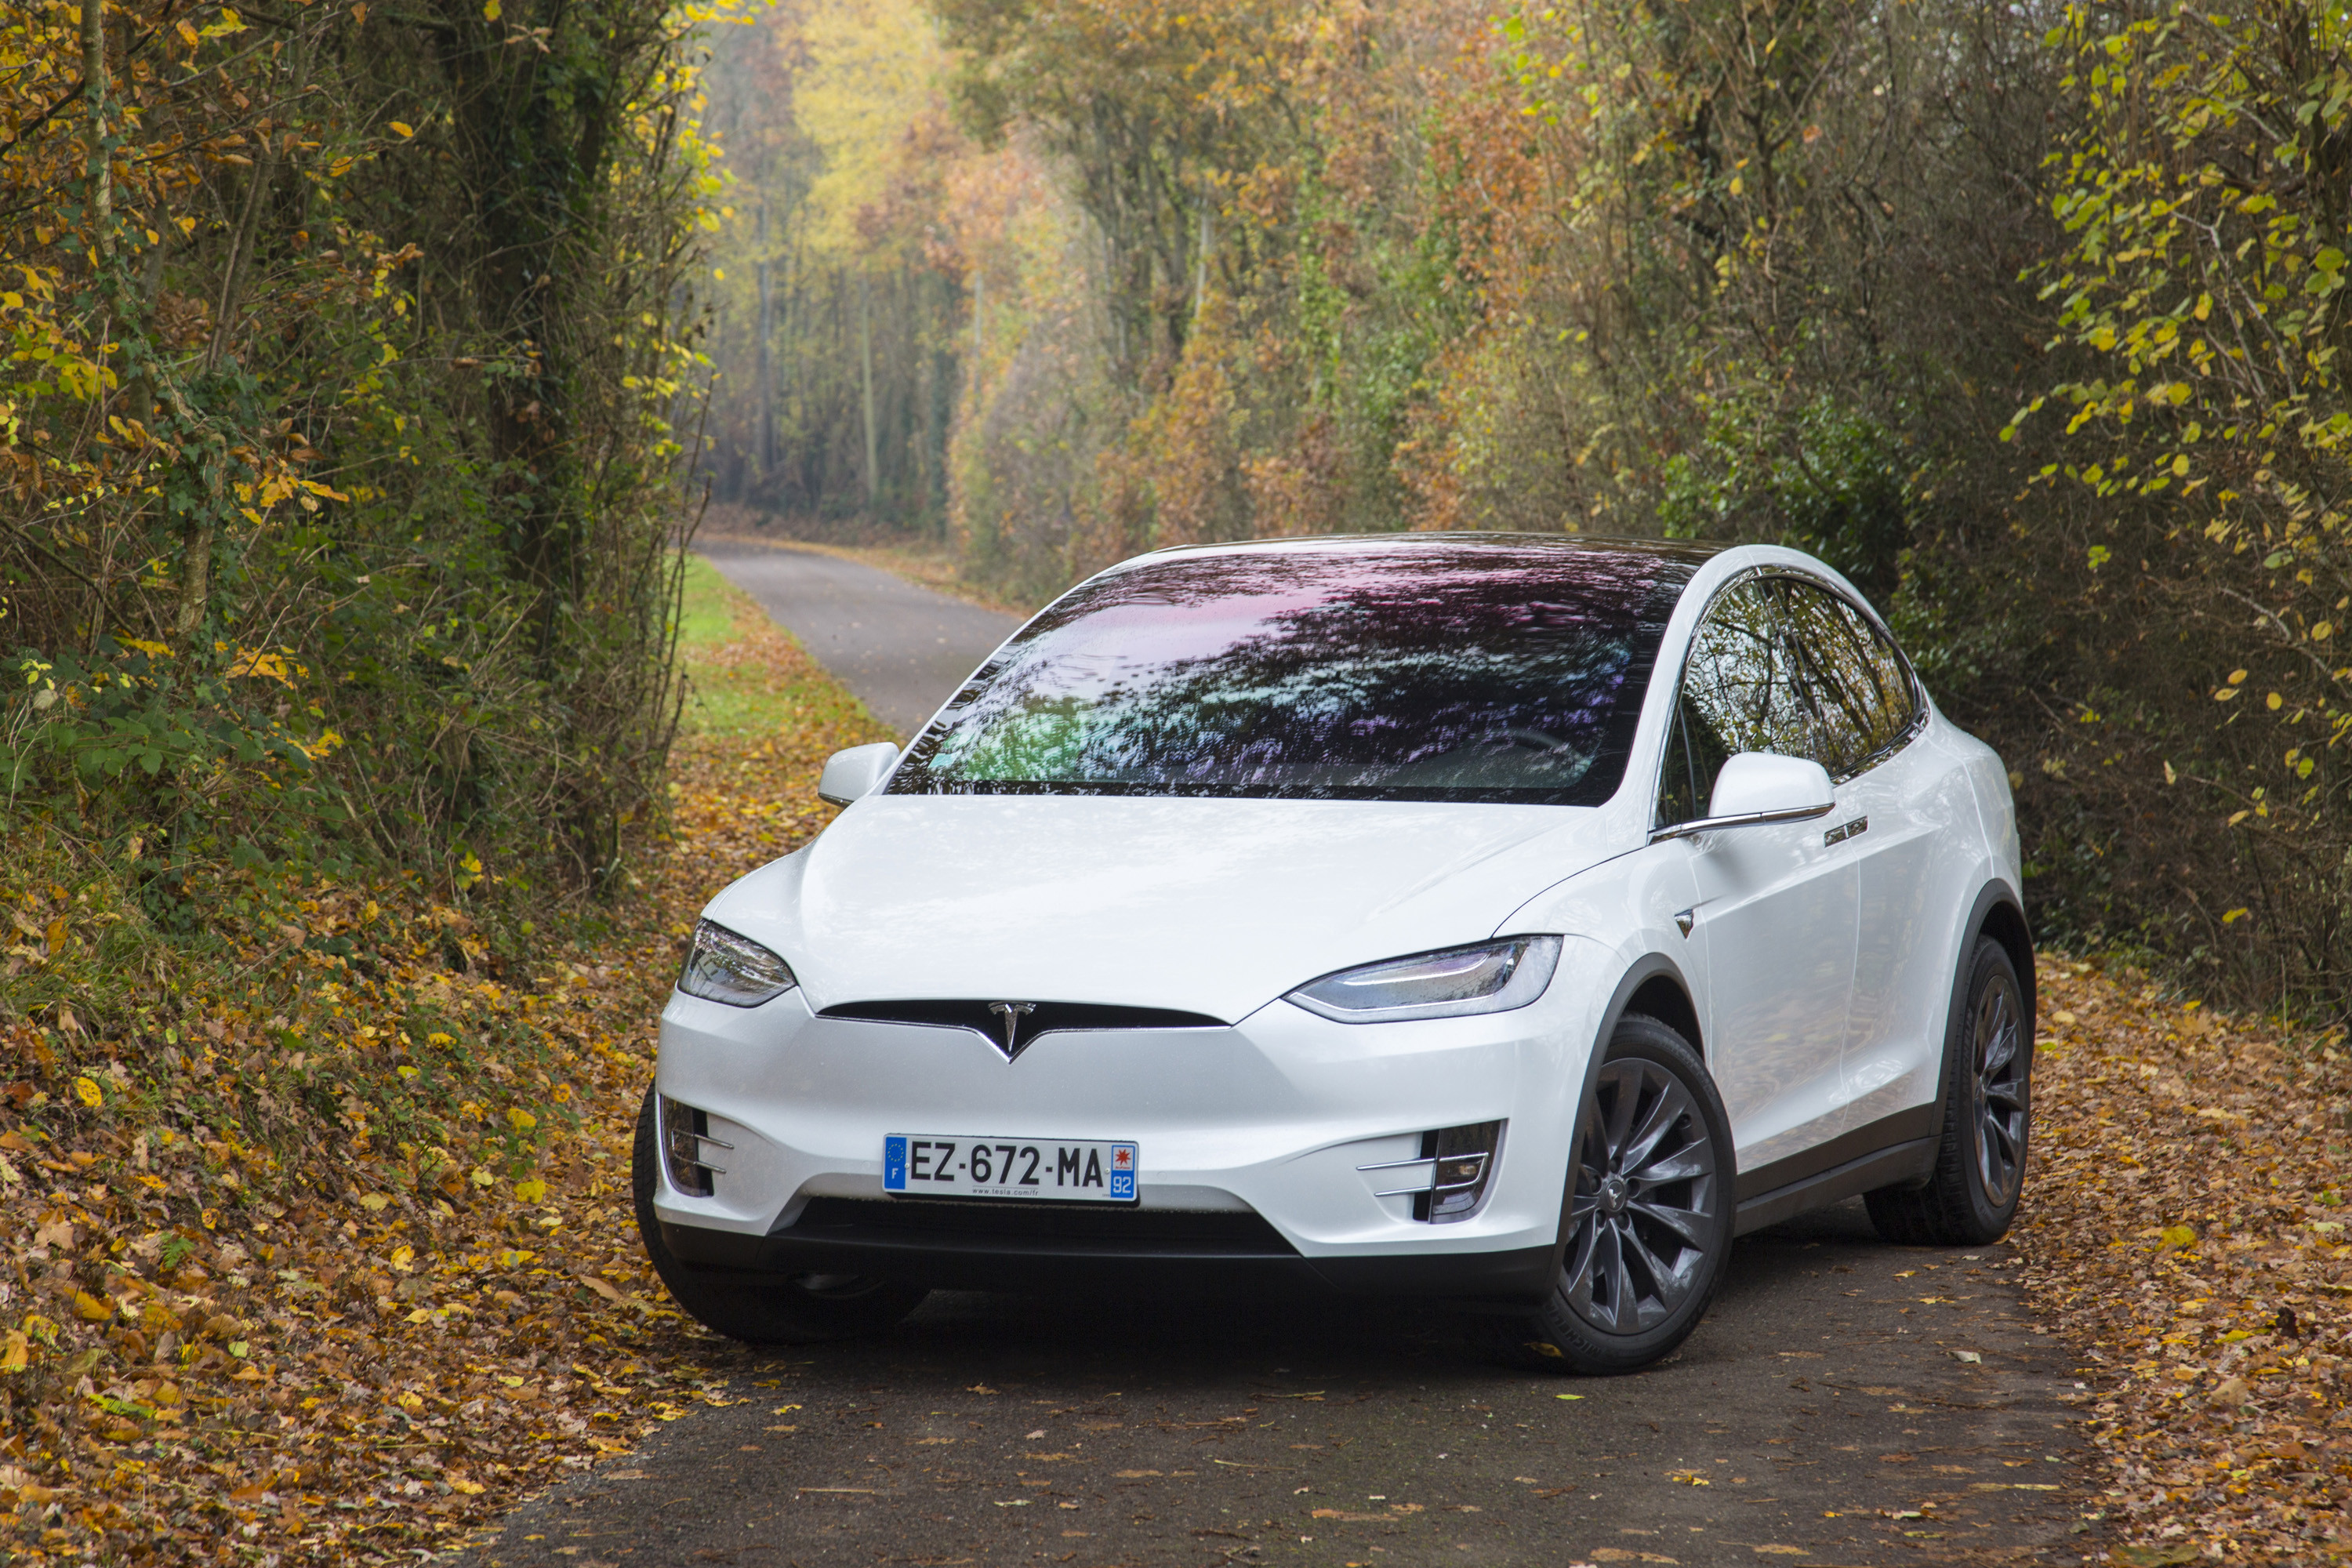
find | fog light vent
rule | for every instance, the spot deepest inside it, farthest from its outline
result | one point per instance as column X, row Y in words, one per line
column 1449, row 1178
column 686, row 1138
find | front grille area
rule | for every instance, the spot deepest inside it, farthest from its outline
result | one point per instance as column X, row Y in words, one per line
column 1043, row 1018
column 1063, row 1227
column 1013, row 1027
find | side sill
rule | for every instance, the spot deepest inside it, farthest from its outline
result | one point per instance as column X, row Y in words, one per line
column 1907, row 1161
column 1918, row 1122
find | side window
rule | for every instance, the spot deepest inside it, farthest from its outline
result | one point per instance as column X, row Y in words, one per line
column 1860, row 694
column 1826, row 662
column 1737, row 695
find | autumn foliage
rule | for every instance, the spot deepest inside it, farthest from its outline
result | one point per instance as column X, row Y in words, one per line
column 2023, row 317
column 335, row 429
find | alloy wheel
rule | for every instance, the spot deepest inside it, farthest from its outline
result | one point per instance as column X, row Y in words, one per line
column 1648, row 1197
column 2001, row 1100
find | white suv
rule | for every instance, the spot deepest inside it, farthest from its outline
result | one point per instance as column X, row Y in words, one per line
column 1512, row 919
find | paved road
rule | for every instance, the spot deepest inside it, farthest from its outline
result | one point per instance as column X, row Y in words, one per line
column 1845, row 1403
column 1821, row 1416
column 902, row 648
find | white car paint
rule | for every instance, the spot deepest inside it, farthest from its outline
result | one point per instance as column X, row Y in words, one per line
column 1821, row 976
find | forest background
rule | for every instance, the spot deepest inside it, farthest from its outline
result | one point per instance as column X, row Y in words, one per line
column 2026, row 317
column 364, row 365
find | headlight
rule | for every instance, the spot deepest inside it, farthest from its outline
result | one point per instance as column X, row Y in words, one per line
column 1491, row 977
column 723, row 967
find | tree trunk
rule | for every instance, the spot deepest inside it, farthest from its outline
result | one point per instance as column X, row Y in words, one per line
column 764, row 444
column 94, row 86
column 865, row 368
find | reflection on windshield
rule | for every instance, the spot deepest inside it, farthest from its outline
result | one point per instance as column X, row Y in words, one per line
column 1392, row 670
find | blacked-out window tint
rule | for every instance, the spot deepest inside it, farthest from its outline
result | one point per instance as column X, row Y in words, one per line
column 1391, row 669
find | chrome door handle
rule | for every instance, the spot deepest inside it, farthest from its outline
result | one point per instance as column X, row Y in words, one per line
column 1844, row 831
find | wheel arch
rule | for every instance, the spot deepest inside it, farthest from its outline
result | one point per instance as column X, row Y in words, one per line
column 2000, row 915
column 1658, row 985
column 1663, row 995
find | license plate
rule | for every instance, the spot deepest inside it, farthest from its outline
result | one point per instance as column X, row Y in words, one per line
column 931, row 1166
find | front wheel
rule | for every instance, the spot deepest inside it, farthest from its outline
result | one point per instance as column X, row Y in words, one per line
column 1649, row 1210
column 758, row 1309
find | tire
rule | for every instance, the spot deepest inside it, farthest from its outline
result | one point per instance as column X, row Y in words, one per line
column 760, row 1309
column 1988, row 1114
column 1644, row 1255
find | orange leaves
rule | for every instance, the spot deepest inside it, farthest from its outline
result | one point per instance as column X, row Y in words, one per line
column 332, row 1312
column 2178, row 1230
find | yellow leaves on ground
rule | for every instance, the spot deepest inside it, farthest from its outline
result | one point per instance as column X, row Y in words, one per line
column 2179, row 1234
column 86, row 1089
column 603, row 1290
column 342, row 1326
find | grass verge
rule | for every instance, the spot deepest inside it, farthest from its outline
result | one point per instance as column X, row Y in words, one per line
column 317, row 1245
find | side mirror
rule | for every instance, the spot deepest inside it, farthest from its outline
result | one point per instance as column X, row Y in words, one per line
column 1757, row 787
column 852, row 774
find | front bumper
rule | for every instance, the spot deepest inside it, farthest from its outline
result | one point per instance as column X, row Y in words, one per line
column 1204, row 1257
column 1251, row 1139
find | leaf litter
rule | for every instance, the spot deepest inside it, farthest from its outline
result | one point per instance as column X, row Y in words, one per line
column 2184, row 1231
column 344, row 1265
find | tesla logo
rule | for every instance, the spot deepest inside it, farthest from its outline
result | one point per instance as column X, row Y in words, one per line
column 1011, row 1013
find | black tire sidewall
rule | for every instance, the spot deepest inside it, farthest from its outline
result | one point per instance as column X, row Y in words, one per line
column 1582, row 1346
column 1987, row 965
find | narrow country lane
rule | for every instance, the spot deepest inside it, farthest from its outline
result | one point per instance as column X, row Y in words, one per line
column 900, row 648
column 1845, row 1402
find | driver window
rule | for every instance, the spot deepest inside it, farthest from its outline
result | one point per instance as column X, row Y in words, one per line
column 1743, row 689
column 1785, row 666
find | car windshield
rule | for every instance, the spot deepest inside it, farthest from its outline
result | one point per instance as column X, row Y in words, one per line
column 1414, row 668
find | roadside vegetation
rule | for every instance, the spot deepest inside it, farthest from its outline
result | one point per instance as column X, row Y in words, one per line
column 2184, row 1235
column 2027, row 317
column 365, row 743
column 346, row 1264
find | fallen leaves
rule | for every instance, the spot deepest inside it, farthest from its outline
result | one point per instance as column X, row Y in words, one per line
column 2180, row 1232
column 345, row 1325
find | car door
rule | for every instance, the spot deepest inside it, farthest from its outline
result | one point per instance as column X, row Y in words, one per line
column 1777, row 905
column 1898, row 803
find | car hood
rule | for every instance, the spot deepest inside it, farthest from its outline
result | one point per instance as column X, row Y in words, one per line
column 1214, row 906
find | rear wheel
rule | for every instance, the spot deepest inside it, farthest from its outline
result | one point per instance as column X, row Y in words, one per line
column 761, row 1309
column 1988, row 1112
column 1650, row 1210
